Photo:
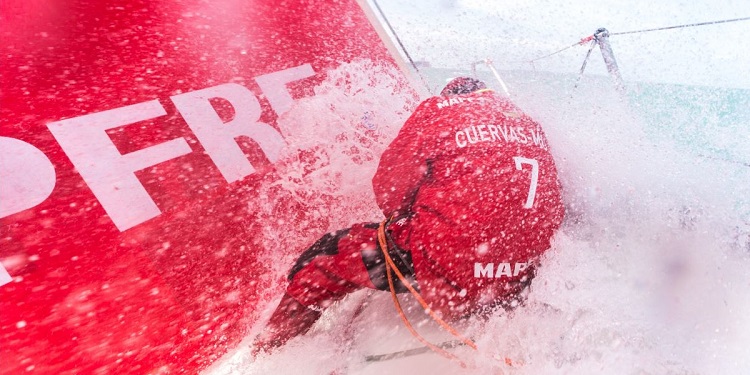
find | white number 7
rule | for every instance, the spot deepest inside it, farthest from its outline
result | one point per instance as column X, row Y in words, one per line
column 534, row 177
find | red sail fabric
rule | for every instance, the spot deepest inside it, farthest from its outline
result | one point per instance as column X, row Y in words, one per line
column 133, row 138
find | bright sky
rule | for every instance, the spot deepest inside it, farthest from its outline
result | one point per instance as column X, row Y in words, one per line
column 454, row 33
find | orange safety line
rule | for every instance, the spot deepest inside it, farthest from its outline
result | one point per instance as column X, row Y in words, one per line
column 413, row 331
column 391, row 266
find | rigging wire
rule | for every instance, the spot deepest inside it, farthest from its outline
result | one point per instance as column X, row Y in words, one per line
column 581, row 42
column 588, row 38
column 681, row 26
column 401, row 44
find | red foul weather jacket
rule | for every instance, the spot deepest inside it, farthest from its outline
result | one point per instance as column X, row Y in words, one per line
column 474, row 193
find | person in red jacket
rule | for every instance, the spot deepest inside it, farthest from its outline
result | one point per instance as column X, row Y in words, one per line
column 471, row 196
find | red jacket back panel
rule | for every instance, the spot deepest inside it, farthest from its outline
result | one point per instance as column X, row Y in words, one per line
column 482, row 185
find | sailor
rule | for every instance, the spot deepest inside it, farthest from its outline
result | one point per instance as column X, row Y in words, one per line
column 465, row 222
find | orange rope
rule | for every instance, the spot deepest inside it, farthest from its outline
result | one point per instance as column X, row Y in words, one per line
column 414, row 332
column 391, row 266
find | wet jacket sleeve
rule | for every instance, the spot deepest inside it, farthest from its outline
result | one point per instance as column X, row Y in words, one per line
column 404, row 165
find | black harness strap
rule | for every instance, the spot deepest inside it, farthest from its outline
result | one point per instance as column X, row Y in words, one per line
column 376, row 268
column 326, row 245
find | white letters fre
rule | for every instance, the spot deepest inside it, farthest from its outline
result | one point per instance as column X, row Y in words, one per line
column 111, row 175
